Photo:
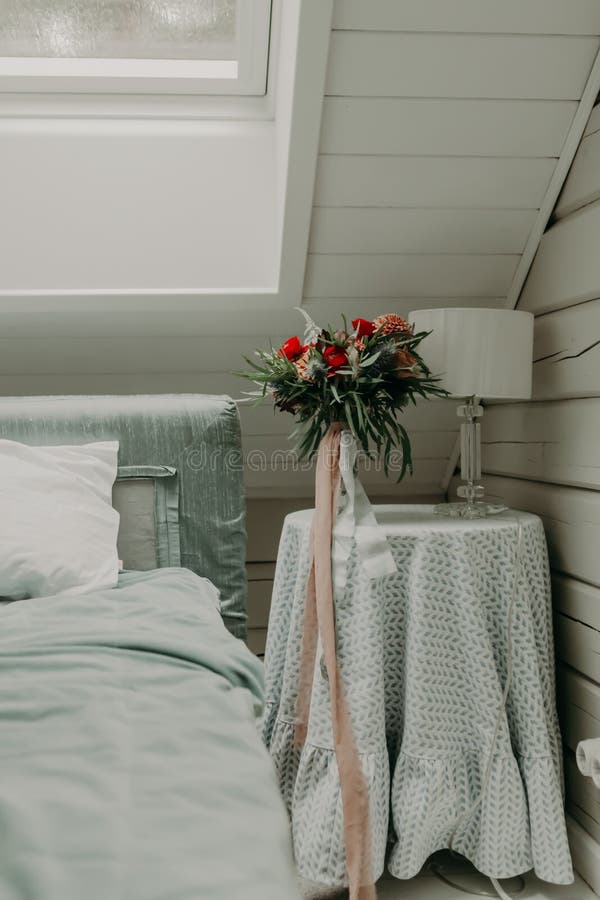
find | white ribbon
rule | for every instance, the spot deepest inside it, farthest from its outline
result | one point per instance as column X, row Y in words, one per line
column 356, row 520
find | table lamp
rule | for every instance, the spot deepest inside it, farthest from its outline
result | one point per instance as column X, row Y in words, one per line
column 478, row 354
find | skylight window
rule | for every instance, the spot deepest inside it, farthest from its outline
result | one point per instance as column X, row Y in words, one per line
column 135, row 46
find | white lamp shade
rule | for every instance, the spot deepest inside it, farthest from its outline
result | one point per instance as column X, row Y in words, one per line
column 486, row 353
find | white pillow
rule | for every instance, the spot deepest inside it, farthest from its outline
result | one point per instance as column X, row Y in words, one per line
column 58, row 530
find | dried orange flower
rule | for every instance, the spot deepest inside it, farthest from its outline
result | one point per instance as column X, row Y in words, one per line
column 392, row 324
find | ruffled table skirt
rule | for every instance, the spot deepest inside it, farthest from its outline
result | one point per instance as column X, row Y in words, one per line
column 423, row 661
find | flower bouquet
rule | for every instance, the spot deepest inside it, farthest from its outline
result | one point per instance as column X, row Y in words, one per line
column 359, row 378
column 346, row 389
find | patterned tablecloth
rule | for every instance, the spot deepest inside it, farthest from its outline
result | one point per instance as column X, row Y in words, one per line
column 423, row 658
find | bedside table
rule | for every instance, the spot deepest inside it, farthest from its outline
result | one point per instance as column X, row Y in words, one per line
column 424, row 656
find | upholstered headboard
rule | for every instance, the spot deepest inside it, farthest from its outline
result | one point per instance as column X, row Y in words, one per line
column 197, row 435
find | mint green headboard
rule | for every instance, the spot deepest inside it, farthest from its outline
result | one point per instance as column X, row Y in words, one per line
column 198, row 435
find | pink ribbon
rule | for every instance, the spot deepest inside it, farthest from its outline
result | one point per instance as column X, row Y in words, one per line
column 319, row 620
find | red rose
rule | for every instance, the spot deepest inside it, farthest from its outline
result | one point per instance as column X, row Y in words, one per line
column 291, row 349
column 363, row 327
column 335, row 358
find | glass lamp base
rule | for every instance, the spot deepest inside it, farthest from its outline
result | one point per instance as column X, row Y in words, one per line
column 468, row 510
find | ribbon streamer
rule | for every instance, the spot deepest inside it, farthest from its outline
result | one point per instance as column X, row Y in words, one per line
column 356, row 521
column 330, row 545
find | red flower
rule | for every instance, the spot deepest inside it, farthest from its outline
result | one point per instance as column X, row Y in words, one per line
column 363, row 327
column 335, row 358
column 292, row 348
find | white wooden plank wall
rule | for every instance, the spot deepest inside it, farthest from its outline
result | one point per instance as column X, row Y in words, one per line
column 425, row 124
column 543, row 456
column 435, row 158
column 442, row 125
column 578, row 17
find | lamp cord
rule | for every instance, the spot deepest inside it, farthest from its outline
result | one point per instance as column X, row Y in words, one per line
column 498, row 891
column 498, row 888
column 465, row 816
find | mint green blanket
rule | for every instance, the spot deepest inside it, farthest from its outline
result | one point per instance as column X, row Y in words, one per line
column 131, row 766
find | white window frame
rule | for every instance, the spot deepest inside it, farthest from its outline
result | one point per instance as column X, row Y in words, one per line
column 290, row 117
column 246, row 76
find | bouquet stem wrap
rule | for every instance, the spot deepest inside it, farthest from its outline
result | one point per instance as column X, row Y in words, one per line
column 335, row 464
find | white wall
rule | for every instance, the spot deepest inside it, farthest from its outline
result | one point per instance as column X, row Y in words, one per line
column 544, row 456
column 434, row 160
column 116, row 205
column 435, row 157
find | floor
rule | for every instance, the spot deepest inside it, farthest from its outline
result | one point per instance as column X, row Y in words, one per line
column 427, row 886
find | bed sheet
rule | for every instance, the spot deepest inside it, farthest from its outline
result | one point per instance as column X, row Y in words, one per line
column 131, row 764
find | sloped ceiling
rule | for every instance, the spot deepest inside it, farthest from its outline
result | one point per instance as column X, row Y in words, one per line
column 443, row 124
column 446, row 125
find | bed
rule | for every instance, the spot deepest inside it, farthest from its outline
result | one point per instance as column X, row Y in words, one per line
column 132, row 767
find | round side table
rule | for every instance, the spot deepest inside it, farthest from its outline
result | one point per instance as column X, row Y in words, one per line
column 423, row 659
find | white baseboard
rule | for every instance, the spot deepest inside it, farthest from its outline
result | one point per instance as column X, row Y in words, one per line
column 585, row 852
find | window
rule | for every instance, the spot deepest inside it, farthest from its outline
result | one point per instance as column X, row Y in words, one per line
column 135, row 46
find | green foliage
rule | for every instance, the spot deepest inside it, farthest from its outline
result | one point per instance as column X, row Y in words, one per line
column 379, row 375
